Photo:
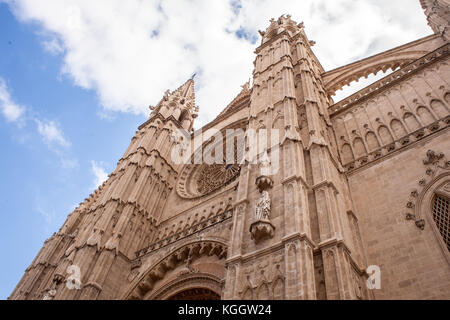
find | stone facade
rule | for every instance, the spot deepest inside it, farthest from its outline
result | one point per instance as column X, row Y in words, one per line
column 357, row 187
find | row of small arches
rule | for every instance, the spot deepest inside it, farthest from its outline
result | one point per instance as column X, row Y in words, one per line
column 396, row 130
column 184, row 225
column 266, row 291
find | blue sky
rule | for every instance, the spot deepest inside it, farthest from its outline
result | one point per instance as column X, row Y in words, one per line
column 38, row 187
column 77, row 77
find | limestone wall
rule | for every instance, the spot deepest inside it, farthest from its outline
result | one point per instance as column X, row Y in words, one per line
column 413, row 262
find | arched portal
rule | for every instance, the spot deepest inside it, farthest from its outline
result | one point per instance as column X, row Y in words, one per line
column 194, row 265
column 194, row 286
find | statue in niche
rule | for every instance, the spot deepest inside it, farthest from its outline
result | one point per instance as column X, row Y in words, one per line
column 263, row 207
column 262, row 228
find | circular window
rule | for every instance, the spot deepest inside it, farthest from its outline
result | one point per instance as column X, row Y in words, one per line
column 213, row 177
column 203, row 179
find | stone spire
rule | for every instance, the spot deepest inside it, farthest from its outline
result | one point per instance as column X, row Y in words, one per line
column 119, row 218
column 179, row 104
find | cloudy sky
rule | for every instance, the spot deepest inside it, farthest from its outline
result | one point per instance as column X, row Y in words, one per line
column 77, row 77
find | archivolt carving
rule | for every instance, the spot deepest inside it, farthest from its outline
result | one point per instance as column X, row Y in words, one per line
column 184, row 254
column 437, row 173
column 198, row 280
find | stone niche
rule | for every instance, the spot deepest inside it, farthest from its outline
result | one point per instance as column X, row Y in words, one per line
column 262, row 228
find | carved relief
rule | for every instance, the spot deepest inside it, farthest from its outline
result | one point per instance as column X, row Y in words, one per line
column 446, row 188
column 264, row 279
column 437, row 163
column 216, row 225
column 262, row 227
column 183, row 255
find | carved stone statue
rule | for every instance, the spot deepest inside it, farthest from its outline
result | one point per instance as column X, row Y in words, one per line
column 263, row 207
column 262, row 228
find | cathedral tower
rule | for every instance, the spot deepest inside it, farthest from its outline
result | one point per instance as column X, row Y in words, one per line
column 311, row 241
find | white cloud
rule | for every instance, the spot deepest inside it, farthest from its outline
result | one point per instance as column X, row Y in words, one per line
column 99, row 174
column 130, row 52
column 10, row 110
column 49, row 130
column 53, row 46
column 51, row 133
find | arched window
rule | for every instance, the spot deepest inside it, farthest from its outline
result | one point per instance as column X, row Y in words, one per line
column 441, row 217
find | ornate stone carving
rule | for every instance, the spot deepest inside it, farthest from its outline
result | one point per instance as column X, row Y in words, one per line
column 447, row 187
column 266, row 273
column 263, row 207
column 212, row 177
column 432, row 157
column 436, row 162
column 262, row 227
column 184, row 254
column 199, row 180
column 420, row 224
column 264, row 183
column 261, row 230
column 188, row 268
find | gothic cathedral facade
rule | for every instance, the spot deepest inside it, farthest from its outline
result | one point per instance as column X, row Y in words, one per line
column 359, row 208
